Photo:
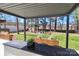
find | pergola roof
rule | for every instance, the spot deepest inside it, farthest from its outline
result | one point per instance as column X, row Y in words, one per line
column 37, row 9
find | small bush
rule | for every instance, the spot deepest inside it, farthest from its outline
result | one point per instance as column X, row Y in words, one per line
column 52, row 37
column 43, row 35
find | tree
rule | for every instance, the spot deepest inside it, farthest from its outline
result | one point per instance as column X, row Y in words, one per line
column 44, row 23
column 29, row 24
column 61, row 22
column 76, row 17
column 53, row 21
column 36, row 24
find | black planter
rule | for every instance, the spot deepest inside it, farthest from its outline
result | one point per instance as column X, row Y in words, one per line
column 30, row 45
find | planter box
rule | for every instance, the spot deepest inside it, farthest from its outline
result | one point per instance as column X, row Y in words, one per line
column 46, row 41
column 5, row 34
column 38, row 40
column 48, row 33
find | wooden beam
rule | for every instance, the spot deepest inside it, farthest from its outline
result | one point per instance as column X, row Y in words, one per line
column 67, row 32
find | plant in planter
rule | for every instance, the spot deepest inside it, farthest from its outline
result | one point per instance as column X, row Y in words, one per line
column 43, row 35
column 53, row 41
column 52, row 37
column 41, row 38
column 30, row 41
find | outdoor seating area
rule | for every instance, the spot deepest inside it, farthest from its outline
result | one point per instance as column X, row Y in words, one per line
column 40, row 29
column 38, row 49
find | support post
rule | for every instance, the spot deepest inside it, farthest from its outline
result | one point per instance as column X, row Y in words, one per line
column 50, row 23
column 55, row 24
column 17, row 25
column 35, row 25
column 24, row 29
column 38, row 24
column 5, row 24
column 67, row 31
column 31, row 24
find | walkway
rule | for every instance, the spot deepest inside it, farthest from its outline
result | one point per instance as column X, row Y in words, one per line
column 2, row 46
column 19, row 52
column 26, row 53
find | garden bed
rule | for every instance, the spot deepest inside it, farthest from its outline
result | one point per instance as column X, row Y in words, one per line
column 46, row 41
column 61, row 37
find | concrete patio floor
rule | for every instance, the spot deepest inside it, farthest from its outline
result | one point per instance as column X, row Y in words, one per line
column 2, row 53
column 2, row 46
column 7, row 52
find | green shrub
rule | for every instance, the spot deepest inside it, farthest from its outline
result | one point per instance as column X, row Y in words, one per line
column 20, row 37
column 43, row 35
column 30, row 37
column 74, row 37
column 52, row 37
column 31, row 34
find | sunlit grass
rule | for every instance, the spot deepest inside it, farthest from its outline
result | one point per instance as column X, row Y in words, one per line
column 73, row 40
column 61, row 37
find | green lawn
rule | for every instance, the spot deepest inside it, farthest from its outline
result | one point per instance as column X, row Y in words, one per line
column 73, row 38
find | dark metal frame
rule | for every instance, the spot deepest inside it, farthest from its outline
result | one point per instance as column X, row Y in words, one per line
column 17, row 25
column 55, row 25
column 24, row 29
column 1, row 10
column 67, row 32
column 75, row 6
column 66, row 14
column 50, row 23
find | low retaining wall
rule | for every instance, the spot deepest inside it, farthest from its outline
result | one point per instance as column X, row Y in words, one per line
column 46, row 41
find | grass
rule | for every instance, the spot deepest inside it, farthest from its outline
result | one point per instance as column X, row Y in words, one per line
column 61, row 37
column 43, row 35
column 73, row 38
column 29, row 36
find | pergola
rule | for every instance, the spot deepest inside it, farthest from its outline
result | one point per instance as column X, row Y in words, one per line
column 39, row 10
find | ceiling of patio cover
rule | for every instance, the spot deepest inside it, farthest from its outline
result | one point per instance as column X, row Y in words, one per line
column 37, row 9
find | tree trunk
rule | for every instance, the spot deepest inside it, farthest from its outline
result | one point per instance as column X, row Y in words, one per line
column 61, row 26
column 50, row 24
column 31, row 25
column 55, row 24
column 77, row 25
column 17, row 25
column 44, row 28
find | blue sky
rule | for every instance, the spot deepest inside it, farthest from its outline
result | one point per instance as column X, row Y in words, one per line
column 10, row 18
